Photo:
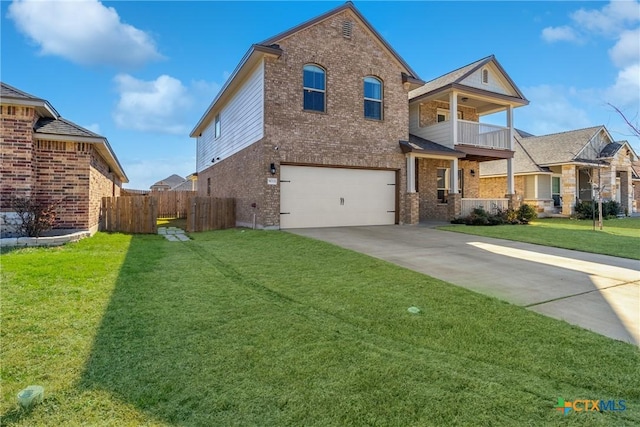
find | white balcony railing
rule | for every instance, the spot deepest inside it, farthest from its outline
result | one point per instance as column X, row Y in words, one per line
column 489, row 205
column 469, row 133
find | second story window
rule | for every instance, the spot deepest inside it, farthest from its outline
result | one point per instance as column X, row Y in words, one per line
column 216, row 129
column 314, row 88
column 372, row 98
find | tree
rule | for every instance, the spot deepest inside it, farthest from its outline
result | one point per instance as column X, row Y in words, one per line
column 635, row 128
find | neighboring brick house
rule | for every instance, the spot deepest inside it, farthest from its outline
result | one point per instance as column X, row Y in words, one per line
column 553, row 172
column 326, row 125
column 54, row 160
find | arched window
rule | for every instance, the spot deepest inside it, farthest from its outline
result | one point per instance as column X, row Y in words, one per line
column 372, row 98
column 314, row 88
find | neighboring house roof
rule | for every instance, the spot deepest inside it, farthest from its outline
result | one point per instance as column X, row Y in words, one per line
column 455, row 80
column 523, row 134
column 523, row 163
column 51, row 126
column 9, row 93
column 170, row 181
column 535, row 154
column 421, row 145
column 186, row 185
column 559, row 148
column 62, row 126
column 269, row 47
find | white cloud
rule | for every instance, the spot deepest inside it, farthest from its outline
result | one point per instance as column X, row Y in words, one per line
column 83, row 31
column 551, row 110
column 564, row 33
column 625, row 92
column 163, row 105
column 610, row 19
column 627, row 50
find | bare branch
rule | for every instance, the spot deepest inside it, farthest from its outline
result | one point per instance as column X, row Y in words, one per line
column 634, row 128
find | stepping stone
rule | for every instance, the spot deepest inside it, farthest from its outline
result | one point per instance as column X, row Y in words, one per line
column 171, row 238
column 182, row 237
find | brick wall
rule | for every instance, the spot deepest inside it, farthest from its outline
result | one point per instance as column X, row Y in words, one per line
column 62, row 175
column 496, row 188
column 103, row 183
column 429, row 111
column 341, row 136
column 242, row 176
column 16, row 153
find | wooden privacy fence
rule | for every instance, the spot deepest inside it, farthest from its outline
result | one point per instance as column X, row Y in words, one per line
column 210, row 213
column 129, row 214
column 173, row 204
column 139, row 214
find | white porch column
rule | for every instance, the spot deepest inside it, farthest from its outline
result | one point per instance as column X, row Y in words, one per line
column 510, row 179
column 454, row 176
column 453, row 116
column 411, row 173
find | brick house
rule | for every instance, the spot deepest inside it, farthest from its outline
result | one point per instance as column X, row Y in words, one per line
column 553, row 172
column 326, row 125
column 49, row 158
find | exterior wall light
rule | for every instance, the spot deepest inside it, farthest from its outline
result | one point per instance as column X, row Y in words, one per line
column 272, row 168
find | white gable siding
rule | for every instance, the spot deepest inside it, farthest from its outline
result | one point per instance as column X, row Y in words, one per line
column 496, row 83
column 241, row 123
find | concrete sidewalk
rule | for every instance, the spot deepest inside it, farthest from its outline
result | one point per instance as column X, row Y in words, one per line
column 596, row 292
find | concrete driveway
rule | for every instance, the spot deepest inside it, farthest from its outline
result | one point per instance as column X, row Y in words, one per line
column 596, row 292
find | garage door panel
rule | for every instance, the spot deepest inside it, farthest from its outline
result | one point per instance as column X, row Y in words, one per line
column 331, row 197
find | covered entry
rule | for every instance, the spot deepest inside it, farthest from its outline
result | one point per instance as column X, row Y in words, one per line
column 332, row 197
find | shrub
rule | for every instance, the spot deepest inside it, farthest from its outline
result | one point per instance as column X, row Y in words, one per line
column 588, row 209
column 526, row 213
column 36, row 217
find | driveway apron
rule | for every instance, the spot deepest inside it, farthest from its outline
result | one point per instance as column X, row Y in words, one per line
column 596, row 292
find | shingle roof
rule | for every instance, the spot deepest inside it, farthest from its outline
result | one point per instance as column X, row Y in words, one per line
column 560, row 147
column 62, row 126
column 186, row 185
column 171, row 181
column 417, row 144
column 452, row 77
column 522, row 163
column 7, row 91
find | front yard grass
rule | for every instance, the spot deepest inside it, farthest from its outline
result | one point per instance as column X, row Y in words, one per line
column 619, row 237
column 242, row 327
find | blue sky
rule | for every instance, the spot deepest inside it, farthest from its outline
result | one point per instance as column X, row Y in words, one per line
column 142, row 73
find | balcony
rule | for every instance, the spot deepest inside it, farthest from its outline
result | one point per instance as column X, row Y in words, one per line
column 476, row 134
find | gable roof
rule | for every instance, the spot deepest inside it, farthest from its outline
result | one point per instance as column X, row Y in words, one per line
column 562, row 147
column 62, row 126
column 171, row 181
column 350, row 7
column 270, row 47
column 455, row 80
column 10, row 94
column 523, row 163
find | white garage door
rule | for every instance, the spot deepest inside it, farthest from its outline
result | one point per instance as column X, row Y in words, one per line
column 333, row 197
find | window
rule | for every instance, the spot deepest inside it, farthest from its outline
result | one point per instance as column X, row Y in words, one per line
column 443, row 115
column 461, row 182
column 485, row 76
column 555, row 191
column 314, row 88
column 208, row 186
column 217, row 126
column 372, row 98
column 442, row 185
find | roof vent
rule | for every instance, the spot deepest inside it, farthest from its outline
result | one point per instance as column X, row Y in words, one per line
column 347, row 29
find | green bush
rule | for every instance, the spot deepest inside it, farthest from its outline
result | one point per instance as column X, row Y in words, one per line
column 588, row 209
column 508, row 216
column 526, row 213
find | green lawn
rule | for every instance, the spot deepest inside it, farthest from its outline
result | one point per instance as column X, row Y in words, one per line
column 242, row 327
column 619, row 237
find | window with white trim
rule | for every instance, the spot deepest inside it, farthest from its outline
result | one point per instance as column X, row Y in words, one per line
column 216, row 126
column 314, row 88
column 372, row 98
column 442, row 184
column 443, row 115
